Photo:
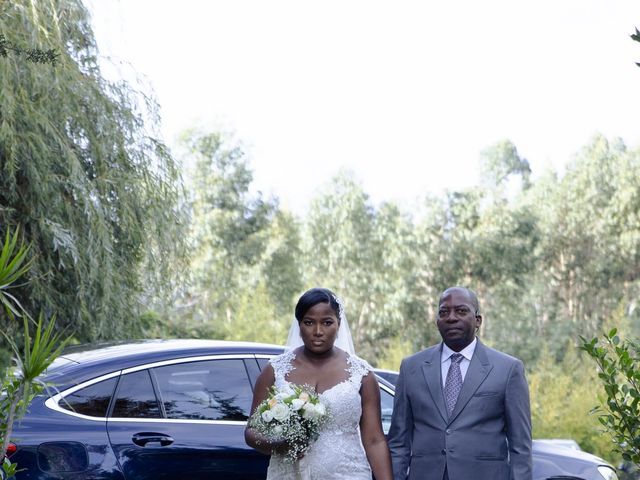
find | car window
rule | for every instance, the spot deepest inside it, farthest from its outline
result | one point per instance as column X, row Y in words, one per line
column 135, row 397
column 253, row 369
column 263, row 362
column 92, row 400
column 386, row 409
column 391, row 377
column 205, row 390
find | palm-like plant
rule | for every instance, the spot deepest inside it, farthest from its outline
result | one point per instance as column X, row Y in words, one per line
column 14, row 263
column 21, row 384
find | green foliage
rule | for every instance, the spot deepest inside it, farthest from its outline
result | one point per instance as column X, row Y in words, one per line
column 636, row 37
column 549, row 261
column 152, row 324
column 256, row 320
column 83, row 173
column 20, row 384
column 588, row 251
column 363, row 254
column 500, row 161
column 397, row 348
column 14, row 263
column 337, row 248
column 281, row 262
column 34, row 55
column 562, row 392
column 245, row 250
column 617, row 360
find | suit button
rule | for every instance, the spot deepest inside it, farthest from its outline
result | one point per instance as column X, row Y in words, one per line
column 444, row 451
column 448, row 431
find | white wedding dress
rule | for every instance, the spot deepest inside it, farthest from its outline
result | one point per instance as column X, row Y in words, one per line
column 337, row 454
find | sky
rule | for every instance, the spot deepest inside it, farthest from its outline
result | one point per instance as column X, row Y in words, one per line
column 405, row 94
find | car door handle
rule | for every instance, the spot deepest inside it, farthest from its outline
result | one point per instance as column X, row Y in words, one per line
column 141, row 439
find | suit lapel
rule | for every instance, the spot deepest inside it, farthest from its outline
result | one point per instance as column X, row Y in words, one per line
column 433, row 375
column 479, row 368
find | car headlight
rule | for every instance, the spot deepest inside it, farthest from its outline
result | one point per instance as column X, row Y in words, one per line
column 607, row 473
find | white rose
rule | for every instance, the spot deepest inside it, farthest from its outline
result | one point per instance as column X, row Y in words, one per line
column 280, row 412
column 297, row 404
column 309, row 411
column 278, row 429
column 321, row 410
column 267, row 416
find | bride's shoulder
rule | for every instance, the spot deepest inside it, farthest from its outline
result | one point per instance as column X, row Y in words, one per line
column 353, row 359
column 283, row 360
column 287, row 354
column 357, row 366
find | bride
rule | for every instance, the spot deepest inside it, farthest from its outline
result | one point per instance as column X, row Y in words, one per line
column 351, row 444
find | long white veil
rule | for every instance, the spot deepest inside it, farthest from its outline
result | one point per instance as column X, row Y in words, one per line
column 344, row 341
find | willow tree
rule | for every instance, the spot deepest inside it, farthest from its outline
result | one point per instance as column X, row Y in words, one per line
column 83, row 173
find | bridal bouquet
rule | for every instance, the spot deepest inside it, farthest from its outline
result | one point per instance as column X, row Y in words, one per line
column 294, row 414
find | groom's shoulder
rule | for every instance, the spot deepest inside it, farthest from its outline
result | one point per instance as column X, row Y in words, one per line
column 422, row 356
column 497, row 355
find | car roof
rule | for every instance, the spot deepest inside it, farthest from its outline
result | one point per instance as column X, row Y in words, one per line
column 562, row 442
column 79, row 363
column 384, row 370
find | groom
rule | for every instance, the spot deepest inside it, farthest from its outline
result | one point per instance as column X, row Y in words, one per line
column 461, row 408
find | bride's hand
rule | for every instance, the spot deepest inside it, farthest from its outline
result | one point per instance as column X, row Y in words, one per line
column 281, row 446
column 302, row 452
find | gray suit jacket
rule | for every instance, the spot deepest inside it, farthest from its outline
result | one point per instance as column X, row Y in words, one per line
column 488, row 436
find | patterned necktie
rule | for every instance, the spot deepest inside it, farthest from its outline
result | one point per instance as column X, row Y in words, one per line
column 453, row 384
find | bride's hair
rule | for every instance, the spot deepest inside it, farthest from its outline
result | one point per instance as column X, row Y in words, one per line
column 313, row 297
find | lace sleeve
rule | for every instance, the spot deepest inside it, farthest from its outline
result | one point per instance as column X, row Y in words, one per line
column 357, row 369
column 282, row 365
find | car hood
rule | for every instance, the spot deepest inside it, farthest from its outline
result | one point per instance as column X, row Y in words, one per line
column 554, row 460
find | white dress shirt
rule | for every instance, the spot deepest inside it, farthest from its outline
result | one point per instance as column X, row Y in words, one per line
column 445, row 359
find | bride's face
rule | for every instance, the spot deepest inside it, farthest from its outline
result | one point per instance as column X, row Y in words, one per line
column 319, row 328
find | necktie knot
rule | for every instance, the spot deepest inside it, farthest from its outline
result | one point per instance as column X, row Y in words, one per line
column 457, row 357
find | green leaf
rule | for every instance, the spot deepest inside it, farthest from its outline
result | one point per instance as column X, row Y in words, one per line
column 14, row 263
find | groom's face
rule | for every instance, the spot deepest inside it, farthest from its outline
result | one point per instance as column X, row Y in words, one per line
column 457, row 319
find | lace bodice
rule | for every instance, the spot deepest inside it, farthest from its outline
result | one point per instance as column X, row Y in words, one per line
column 337, row 454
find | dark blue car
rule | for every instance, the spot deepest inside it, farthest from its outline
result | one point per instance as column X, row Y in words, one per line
column 175, row 409
column 149, row 410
